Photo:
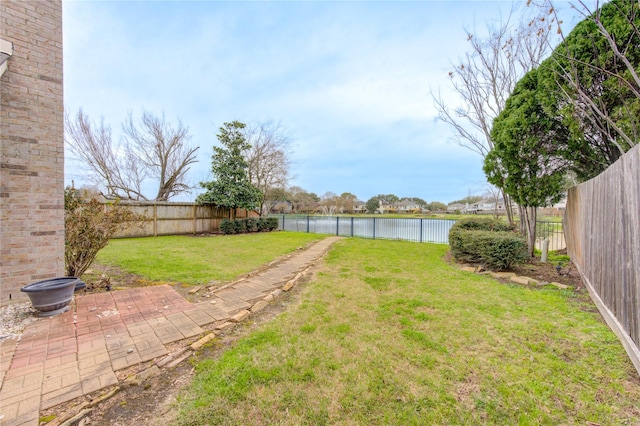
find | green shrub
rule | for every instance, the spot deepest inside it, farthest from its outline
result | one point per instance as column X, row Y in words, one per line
column 250, row 224
column 267, row 224
column 501, row 250
column 497, row 250
column 487, row 241
column 483, row 224
column 228, row 226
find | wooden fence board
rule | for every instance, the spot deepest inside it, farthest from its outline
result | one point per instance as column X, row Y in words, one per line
column 602, row 229
column 165, row 218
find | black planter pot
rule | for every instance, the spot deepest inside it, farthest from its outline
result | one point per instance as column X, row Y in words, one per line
column 51, row 297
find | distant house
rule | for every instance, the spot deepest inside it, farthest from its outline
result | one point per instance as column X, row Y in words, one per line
column 386, row 207
column 359, row 206
column 456, row 207
column 407, row 206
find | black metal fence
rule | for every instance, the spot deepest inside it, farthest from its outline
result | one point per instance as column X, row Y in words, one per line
column 406, row 229
column 421, row 230
column 551, row 231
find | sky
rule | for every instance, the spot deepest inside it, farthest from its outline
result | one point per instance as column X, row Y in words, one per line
column 351, row 82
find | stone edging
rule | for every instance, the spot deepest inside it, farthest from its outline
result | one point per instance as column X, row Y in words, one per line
column 518, row 279
column 77, row 413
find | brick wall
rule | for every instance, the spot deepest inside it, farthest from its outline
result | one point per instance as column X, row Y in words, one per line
column 32, row 147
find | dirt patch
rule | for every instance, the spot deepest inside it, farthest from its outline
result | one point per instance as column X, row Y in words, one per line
column 549, row 272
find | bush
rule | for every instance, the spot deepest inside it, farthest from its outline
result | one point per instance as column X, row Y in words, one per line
column 483, row 224
column 89, row 225
column 227, row 226
column 488, row 241
column 250, row 224
column 238, row 226
column 267, row 224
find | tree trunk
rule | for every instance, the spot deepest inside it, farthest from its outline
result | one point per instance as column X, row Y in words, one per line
column 530, row 221
column 521, row 224
column 507, row 206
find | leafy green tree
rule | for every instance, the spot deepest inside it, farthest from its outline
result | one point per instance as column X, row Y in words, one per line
column 523, row 159
column 436, row 206
column 468, row 199
column 231, row 187
column 388, row 198
column 372, row 204
column 592, row 78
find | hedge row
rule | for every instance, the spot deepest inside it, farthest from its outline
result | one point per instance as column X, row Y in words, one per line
column 487, row 241
column 250, row 224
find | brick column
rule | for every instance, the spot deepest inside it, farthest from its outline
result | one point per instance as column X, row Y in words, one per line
column 32, row 146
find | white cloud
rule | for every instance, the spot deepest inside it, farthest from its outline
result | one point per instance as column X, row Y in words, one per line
column 351, row 80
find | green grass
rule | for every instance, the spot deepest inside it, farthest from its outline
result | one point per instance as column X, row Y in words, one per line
column 545, row 218
column 389, row 333
column 198, row 260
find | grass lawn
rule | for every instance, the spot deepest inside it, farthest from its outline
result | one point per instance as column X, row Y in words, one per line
column 199, row 260
column 389, row 333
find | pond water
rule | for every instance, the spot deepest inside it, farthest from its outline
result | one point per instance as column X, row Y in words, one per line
column 406, row 229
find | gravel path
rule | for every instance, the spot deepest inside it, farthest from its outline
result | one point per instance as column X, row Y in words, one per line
column 14, row 318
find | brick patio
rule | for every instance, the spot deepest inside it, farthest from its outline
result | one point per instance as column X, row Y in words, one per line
column 64, row 357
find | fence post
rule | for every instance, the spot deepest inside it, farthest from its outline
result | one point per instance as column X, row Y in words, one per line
column 351, row 226
column 420, row 229
column 155, row 219
column 283, row 228
column 195, row 219
column 545, row 250
column 337, row 225
column 374, row 228
column 308, row 219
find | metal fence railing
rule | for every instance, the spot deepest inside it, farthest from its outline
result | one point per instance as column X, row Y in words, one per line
column 551, row 231
column 406, row 229
column 422, row 230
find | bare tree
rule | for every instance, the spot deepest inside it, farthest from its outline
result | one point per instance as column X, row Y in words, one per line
column 162, row 150
column 330, row 203
column 151, row 149
column 110, row 166
column 301, row 200
column 494, row 194
column 485, row 77
column 268, row 158
column 601, row 86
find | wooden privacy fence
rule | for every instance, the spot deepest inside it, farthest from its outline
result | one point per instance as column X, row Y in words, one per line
column 602, row 228
column 168, row 218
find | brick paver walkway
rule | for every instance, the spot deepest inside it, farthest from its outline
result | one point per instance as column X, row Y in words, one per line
column 78, row 352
